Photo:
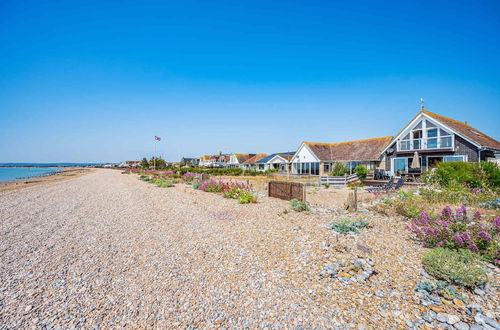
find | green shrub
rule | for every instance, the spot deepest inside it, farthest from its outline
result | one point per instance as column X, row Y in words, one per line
column 165, row 184
column 246, row 197
column 299, row 206
column 454, row 266
column 326, row 185
column 484, row 174
column 361, row 171
column 196, row 184
column 348, row 226
column 339, row 169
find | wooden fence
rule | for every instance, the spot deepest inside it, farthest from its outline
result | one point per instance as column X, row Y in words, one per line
column 287, row 190
column 337, row 181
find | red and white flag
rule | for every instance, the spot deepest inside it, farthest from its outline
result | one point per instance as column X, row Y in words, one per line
column 157, row 138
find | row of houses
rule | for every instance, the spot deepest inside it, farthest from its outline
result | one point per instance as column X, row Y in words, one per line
column 430, row 137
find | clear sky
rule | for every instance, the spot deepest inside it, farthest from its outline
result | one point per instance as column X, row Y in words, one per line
column 96, row 80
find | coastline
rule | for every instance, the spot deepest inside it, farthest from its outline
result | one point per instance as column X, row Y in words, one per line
column 64, row 174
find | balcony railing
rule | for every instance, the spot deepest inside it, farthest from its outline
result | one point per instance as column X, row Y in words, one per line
column 442, row 142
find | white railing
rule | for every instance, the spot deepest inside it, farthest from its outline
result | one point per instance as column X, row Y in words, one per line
column 442, row 142
column 337, row 181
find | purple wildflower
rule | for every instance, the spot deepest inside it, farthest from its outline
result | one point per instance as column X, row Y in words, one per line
column 473, row 247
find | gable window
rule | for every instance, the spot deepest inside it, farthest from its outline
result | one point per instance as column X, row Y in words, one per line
column 425, row 135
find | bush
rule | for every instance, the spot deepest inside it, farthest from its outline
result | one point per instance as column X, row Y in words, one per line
column 165, row 184
column 339, row 169
column 196, row 184
column 454, row 230
column 348, row 226
column 326, row 185
column 454, row 266
column 475, row 175
column 246, row 197
column 299, row 206
column 361, row 171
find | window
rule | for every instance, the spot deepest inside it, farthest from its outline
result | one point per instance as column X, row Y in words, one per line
column 459, row 158
column 446, row 142
column 400, row 164
column 404, row 145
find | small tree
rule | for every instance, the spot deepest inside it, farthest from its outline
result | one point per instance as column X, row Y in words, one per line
column 361, row 171
column 158, row 162
column 144, row 163
column 339, row 169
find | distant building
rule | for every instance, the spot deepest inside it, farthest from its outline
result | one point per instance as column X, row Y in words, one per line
column 250, row 163
column 236, row 160
column 185, row 161
column 277, row 161
column 130, row 163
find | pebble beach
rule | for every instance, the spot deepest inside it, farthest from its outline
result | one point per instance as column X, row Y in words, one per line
column 106, row 250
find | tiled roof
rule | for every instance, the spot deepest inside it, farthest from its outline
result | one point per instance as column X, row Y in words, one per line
column 243, row 157
column 468, row 131
column 286, row 155
column 359, row 150
column 255, row 158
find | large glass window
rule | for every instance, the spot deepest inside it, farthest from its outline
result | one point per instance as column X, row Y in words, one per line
column 432, row 143
column 400, row 164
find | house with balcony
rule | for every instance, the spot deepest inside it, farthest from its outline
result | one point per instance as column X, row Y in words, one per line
column 434, row 138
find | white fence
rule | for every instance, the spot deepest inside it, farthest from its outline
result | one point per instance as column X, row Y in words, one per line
column 337, row 181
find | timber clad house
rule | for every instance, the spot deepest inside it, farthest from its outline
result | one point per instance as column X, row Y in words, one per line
column 435, row 138
column 236, row 160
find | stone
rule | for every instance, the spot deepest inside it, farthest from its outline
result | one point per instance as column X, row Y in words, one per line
column 453, row 319
column 461, row 326
column 479, row 318
column 492, row 323
column 345, row 275
column 479, row 292
column 364, row 248
column 474, row 308
column 424, row 273
column 438, row 309
column 476, row 327
column 429, row 316
column 331, row 270
column 442, row 317
column 459, row 303
column 435, row 300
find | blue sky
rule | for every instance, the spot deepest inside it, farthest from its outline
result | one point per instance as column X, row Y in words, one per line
column 96, row 80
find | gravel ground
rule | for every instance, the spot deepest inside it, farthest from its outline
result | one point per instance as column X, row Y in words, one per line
column 107, row 250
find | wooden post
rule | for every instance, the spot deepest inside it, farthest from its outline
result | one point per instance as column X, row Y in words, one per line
column 352, row 201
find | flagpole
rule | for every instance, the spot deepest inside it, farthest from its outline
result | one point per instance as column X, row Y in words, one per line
column 154, row 157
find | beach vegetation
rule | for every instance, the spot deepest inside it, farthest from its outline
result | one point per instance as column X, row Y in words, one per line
column 454, row 266
column 299, row 206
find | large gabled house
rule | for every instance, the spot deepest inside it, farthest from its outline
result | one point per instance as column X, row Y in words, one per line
column 435, row 138
column 314, row 158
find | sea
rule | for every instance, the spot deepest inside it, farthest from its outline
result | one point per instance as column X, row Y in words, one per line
column 18, row 171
